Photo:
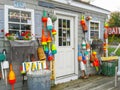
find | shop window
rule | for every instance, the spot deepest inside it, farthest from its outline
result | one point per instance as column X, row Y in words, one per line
column 64, row 32
column 18, row 21
column 94, row 32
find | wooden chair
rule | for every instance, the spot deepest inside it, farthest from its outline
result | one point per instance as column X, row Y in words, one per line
column 117, row 72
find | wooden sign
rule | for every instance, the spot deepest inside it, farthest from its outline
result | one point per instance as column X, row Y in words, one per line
column 110, row 58
column 114, row 30
column 19, row 4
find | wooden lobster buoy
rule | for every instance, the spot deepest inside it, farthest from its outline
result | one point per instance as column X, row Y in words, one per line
column 11, row 77
column 83, row 24
column 105, row 34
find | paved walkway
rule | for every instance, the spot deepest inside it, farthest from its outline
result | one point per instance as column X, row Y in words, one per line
column 92, row 83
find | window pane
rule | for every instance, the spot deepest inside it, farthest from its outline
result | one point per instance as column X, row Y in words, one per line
column 68, row 23
column 96, row 26
column 60, row 41
column 60, row 32
column 13, row 32
column 13, row 15
column 64, row 43
column 25, row 17
column 25, row 27
column 60, row 23
column 14, row 26
column 94, row 34
column 64, row 23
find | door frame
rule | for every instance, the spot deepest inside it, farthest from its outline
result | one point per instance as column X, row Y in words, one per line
column 75, row 16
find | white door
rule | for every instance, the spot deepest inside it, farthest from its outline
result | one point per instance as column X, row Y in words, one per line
column 65, row 57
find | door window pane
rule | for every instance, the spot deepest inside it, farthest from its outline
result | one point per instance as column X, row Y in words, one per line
column 64, row 32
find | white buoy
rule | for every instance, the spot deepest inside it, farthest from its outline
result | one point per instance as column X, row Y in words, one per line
column 49, row 24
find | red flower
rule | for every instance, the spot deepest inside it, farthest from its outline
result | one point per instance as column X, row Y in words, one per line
column 27, row 37
column 22, row 34
column 7, row 34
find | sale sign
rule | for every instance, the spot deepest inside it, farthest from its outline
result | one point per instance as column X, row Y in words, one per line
column 113, row 30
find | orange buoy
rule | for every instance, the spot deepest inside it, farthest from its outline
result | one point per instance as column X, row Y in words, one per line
column 94, row 53
column 12, row 77
column 104, row 46
column 83, row 24
column 49, row 39
column 105, row 34
column 91, row 58
column 106, row 25
column 54, row 32
column 87, row 46
column 43, row 38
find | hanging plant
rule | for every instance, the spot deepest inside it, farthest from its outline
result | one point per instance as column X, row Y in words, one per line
column 9, row 36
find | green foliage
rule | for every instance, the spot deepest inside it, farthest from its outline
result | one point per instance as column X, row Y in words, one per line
column 114, row 39
column 114, row 20
column 110, row 49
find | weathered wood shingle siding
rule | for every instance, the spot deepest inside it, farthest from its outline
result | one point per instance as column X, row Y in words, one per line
column 19, row 54
column 15, row 54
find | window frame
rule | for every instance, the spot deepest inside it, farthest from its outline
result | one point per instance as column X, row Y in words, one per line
column 92, row 21
column 6, row 22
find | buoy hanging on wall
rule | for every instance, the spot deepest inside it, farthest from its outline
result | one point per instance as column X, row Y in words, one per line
column 104, row 46
column 43, row 38
column 83, row 24
column 87, row 46
column 106, row 25
column 44, row 17
column 83, row 44
column 105, row 34
column 49, row 24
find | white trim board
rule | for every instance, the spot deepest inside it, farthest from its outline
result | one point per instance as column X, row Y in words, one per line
column 84, row 6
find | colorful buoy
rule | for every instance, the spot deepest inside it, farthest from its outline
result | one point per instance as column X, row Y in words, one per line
column 11, row 77
column 54, row 50
column 49, row 24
